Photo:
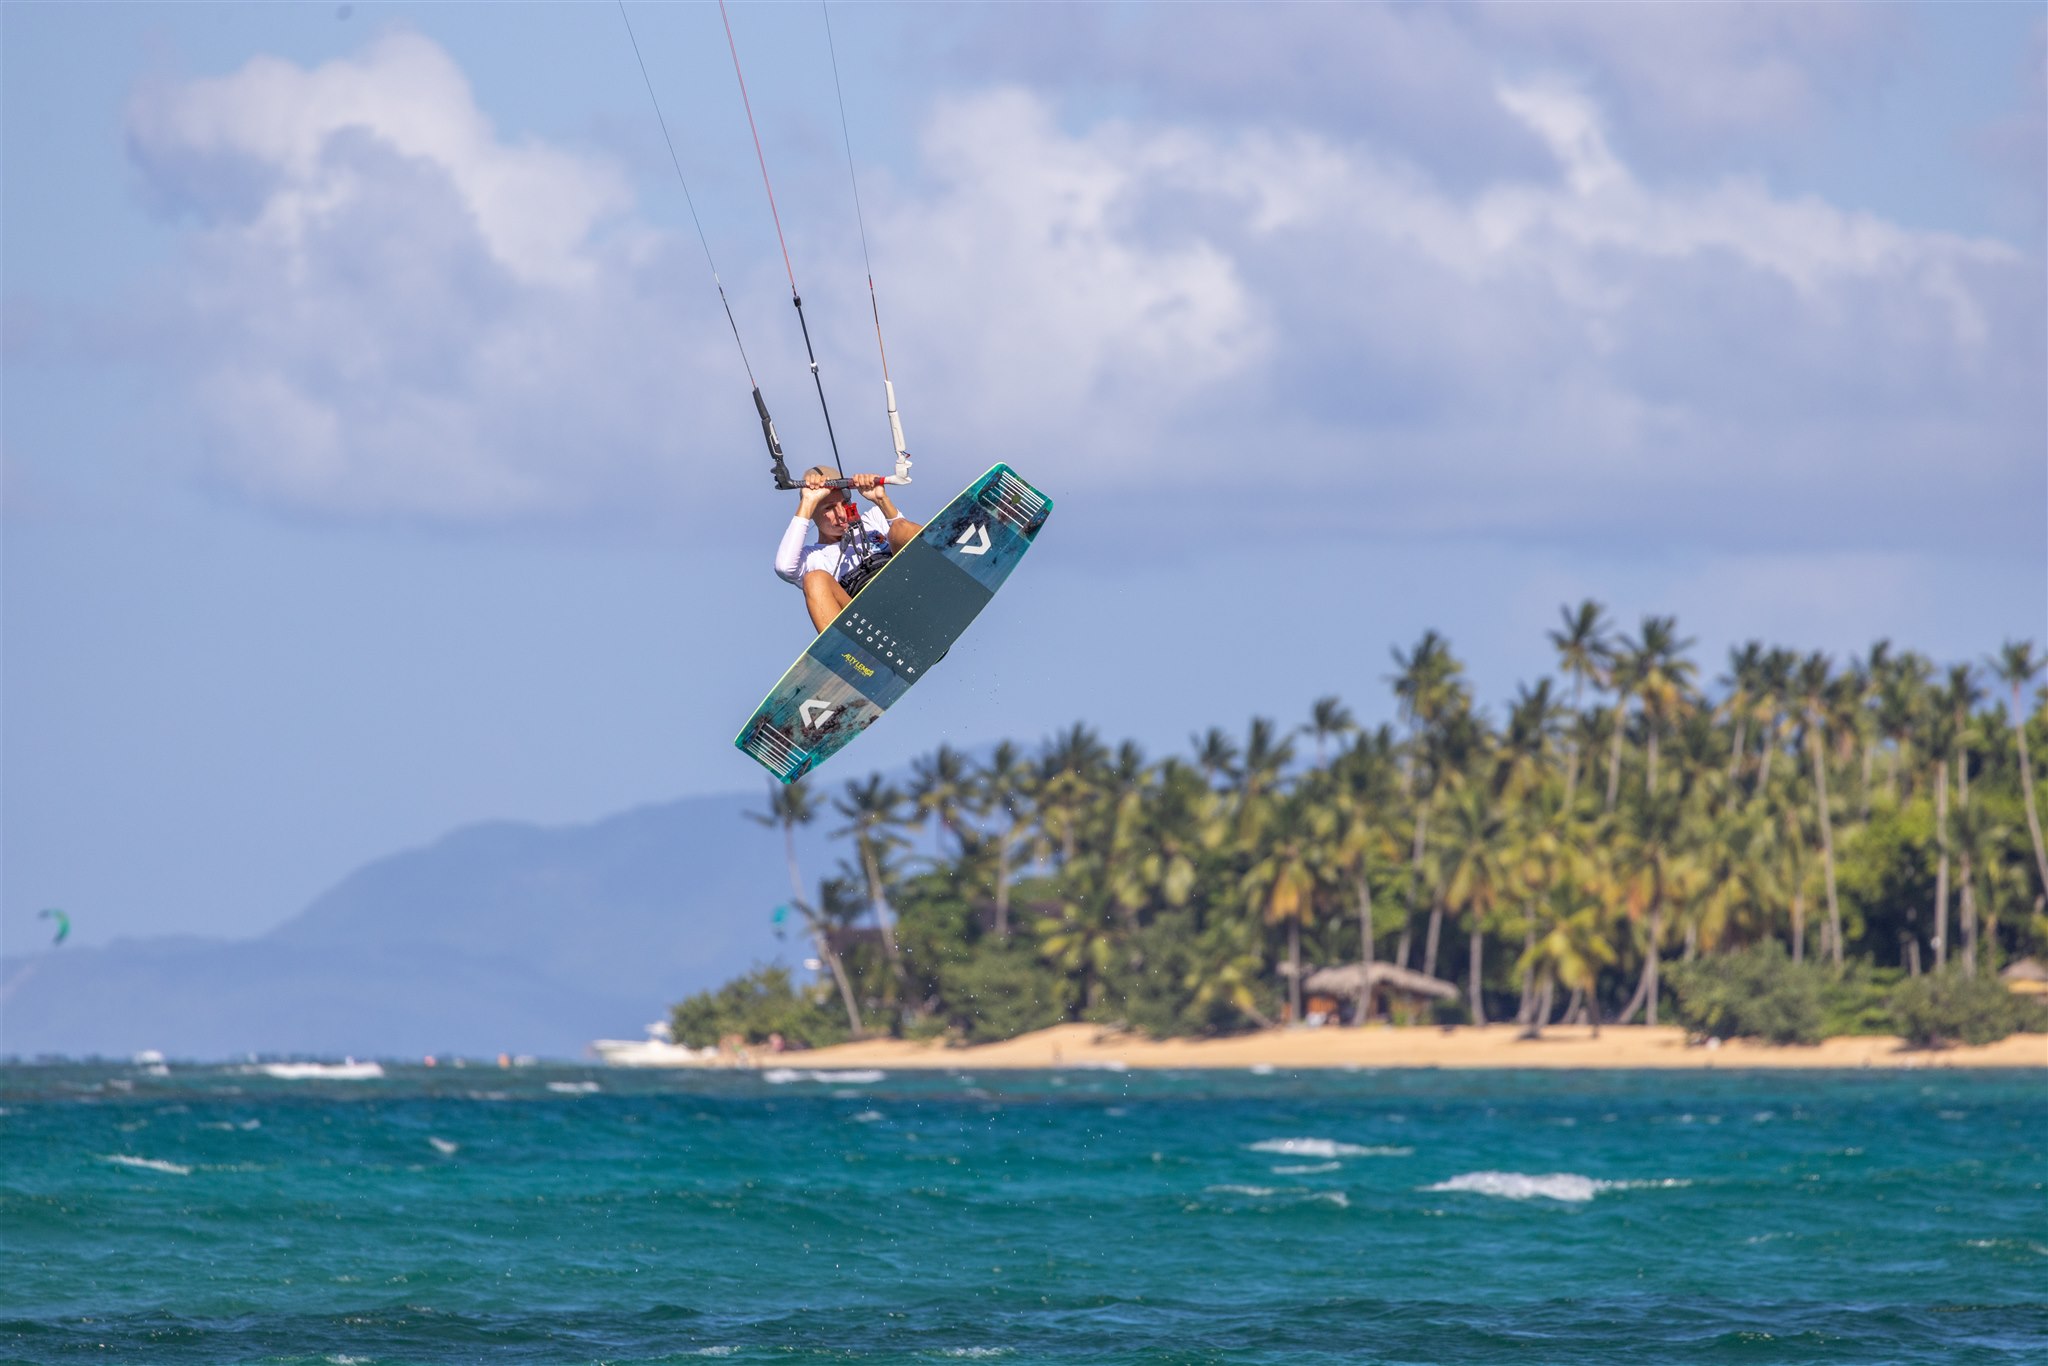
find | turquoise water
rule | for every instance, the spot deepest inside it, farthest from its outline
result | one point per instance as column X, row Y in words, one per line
column 574, row 1215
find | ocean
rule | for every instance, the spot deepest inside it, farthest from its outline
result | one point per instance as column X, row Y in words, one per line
column 565, row 1214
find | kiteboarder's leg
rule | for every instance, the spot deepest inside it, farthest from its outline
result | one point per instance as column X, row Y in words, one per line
column 825, row 596
column 902, row 531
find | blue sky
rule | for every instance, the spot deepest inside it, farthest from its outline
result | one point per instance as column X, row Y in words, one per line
column 377, row 459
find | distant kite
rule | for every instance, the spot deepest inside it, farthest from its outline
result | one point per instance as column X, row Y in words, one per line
column 63, row 923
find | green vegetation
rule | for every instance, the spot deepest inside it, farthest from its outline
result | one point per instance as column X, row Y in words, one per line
column 1945, row 1008
column 1757, row 992
column 1808, row 849
column 753, row 1007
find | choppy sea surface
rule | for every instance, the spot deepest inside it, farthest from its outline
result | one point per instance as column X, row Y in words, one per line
column 558, row 1214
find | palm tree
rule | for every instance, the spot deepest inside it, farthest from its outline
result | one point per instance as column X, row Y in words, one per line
column 1215, row 755
column 1774, row 687
column 1651, row 871
column 872, row 807
column 1280, row 887
column 1814, row 687
column 1571, row 951
column 1328, row 719
column 1900, row 693
column 1067, row 771
column 1743, row 681
column 1005, row 786
column 1365, row 842
column 1624, row 668
column 1081, row 942
column 942, row 788
column 1662, row 678
column 1582, row 653
column 789, row 806
column 2016, row 666
column 1475, row 878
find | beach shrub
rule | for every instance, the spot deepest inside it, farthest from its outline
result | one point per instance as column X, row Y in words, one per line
column 761, row 1003
column 1946, row 1007
column 998, row 992
column 1757, row 992
column 1858, row 1000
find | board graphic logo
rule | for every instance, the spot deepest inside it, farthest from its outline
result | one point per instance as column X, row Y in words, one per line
column 979, row 529
column 815, row 712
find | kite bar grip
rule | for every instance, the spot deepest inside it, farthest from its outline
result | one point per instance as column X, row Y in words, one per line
column 782, row 479
column 902, row 475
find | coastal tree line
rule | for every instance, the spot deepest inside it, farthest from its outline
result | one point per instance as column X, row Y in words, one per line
column 1875, row 819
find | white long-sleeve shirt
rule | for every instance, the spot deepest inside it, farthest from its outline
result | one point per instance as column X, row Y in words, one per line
column 797, row 556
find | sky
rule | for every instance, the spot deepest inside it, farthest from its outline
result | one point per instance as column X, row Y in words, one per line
column 378, row 459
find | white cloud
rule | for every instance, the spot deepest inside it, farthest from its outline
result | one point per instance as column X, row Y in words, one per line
column 397, row 311
column 390, row 310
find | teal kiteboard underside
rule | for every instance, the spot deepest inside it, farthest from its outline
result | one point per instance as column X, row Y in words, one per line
column 897, row 627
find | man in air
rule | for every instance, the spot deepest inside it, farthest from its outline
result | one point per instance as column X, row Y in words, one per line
column 850, row 543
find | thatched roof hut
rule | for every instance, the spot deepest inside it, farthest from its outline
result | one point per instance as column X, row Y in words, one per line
column 2026, row 977
column 1348, row 980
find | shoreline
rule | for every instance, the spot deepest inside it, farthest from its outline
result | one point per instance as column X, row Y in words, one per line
column 1619, row 1047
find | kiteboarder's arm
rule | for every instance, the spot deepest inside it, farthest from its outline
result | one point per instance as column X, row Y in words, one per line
column 901, row 529
column 789, row 556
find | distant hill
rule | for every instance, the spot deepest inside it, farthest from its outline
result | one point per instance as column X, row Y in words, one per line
column 501, row 937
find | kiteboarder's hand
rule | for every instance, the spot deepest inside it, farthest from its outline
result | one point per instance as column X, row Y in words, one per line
column 815, row 496
column 872, row 488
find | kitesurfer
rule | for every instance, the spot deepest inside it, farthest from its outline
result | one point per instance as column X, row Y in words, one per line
column 850, row 543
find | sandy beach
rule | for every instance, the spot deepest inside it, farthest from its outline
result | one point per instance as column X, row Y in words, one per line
column 1629, row 1046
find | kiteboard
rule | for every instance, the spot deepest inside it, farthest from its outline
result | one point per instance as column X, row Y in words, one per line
column 897, row 627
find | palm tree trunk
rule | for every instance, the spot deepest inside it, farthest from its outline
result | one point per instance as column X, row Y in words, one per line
column 1544, row 1003
column 1436, row 925
column 1735, row 750
column 1294, row 978
column 1646, row 985
column 831, row 957
column 818, row 937
column 1475, row 974
column 883, row 915
column 2019, row 735
column 1415, row 882
column 1941, row 866
column 1365, row 947
column 1528, row 1000
column 1764, row 752
column 1799, row 925
column 1614, row 754
column 1002, row 886
column 1969, row 901
column 1572, row 1005
column 1650, row 777
column 1827, row 850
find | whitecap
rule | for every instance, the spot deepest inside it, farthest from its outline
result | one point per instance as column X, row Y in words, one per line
column 866, row 1117
column 154, row 1164
column 1261, row 1069
column 1322, row 1147
column 782, row 1076
column 231, row 1125
column 344, row 1359
column 443, row 1146
column 1309, row 1169
column 1240, row 1190
column 714, row 1351
column 974, row 1351
column 574, row 1088
column 1568, row 1187
column 1105, row 1065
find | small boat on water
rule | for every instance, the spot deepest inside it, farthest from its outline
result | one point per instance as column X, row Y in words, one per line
column 658, row 1049
column 349, row 1070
